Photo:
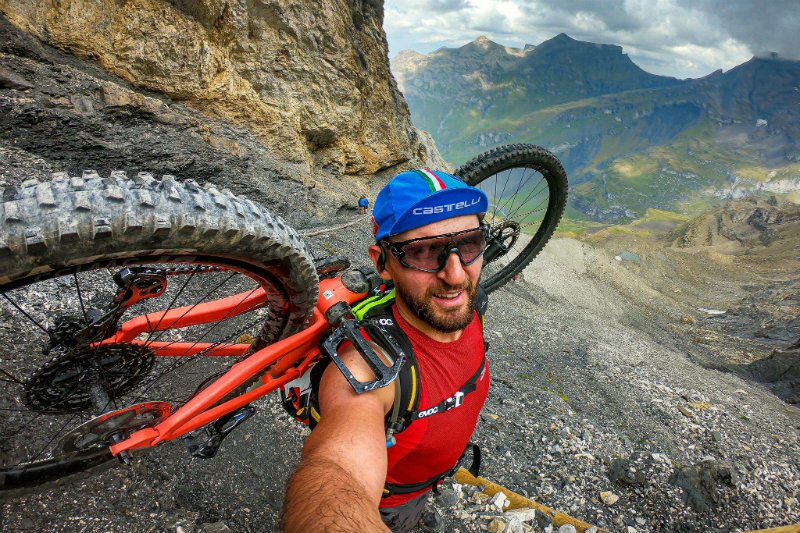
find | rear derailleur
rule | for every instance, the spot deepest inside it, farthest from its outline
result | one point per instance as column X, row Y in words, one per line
column 204, row 442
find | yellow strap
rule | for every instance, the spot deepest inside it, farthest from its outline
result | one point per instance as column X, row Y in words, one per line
column 520, row 502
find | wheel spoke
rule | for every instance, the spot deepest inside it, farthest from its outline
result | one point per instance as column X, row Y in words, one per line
column 29, row 317
column 11, row 378
column 185, row 283
column 80, row 296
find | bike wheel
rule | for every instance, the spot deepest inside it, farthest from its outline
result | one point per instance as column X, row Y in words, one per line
column 527, row 190
column 80, row 256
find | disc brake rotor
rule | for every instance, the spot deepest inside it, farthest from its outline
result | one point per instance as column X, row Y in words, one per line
column 64, row 384
column 113, row 427
column 502, row 238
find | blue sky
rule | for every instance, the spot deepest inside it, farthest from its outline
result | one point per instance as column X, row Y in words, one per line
column 681, row 38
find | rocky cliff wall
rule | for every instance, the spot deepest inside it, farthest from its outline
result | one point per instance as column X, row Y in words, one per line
column 292, row 87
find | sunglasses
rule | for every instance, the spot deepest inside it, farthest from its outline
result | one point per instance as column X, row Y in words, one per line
column 430, row 254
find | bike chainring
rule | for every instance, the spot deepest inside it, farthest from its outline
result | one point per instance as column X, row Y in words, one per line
column 113, row 427
column 64, row 384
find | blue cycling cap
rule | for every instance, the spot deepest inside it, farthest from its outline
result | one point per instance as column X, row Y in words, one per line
column 420, row 197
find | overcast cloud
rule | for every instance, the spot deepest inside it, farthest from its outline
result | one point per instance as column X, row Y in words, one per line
column 681, row 38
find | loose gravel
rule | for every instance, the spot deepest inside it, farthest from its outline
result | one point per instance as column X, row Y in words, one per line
column 599, row 409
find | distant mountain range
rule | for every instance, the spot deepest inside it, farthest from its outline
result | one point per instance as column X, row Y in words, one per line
column 630, row 140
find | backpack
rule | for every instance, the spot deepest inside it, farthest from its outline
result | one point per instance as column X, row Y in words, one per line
column 373, row 317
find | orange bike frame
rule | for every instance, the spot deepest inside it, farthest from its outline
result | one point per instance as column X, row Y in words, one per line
column 277, row 364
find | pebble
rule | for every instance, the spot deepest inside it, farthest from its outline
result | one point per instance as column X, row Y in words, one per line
column 447, row 498
column 567, row 528
column 497, row 525
column 215, row 527
column 608, row 497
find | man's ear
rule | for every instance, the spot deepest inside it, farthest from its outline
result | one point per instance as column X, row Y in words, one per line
column 378, row 256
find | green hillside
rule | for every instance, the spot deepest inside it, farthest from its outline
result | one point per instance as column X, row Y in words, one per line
column 630, row 140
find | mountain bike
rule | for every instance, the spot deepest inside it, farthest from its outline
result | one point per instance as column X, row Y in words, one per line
column 136, row 311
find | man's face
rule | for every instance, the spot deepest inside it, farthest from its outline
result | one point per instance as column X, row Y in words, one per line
column 442, row 301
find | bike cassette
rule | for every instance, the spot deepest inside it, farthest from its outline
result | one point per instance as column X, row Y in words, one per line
column 62, row 385
column 113, row 427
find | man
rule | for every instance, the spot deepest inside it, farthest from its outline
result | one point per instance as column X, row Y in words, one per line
column 429, row 243
column 363, row 204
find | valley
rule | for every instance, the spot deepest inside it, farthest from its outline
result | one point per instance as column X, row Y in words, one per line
column 629, row 140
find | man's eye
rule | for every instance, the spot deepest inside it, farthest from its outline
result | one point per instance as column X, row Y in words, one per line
column 421, row 250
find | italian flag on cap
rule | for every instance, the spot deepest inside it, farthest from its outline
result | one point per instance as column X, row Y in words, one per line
column 434, row 182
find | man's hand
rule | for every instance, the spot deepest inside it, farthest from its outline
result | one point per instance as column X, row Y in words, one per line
column 339, row 482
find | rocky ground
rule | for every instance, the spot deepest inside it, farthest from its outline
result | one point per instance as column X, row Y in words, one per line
column 614, row 400
column 657, row 393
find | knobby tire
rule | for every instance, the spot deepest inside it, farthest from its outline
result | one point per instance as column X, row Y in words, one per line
column 61, row 242
column 527, row 190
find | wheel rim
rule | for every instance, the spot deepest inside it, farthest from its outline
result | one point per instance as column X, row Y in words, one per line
column 45, row 396
column 519, row 199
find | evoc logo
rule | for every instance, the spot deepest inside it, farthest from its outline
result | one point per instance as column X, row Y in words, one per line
column 429, row 412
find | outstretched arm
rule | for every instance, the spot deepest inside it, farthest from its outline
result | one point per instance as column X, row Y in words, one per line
column 339, row 482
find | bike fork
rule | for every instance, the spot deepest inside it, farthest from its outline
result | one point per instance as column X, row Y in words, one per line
column 204, row 442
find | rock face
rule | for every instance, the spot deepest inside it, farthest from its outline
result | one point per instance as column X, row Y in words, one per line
column 307, row 89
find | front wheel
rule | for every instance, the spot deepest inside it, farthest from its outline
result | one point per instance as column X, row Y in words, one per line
column 79, row 257
column 527, row 190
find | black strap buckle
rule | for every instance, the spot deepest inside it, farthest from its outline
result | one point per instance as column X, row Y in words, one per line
column 351, row 330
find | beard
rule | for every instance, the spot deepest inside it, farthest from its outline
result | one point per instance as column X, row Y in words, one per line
column 447, row 321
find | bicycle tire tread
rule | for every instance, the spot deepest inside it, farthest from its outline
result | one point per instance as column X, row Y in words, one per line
column 46, row 223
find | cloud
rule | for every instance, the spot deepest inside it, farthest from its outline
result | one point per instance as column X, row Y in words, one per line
column 765, row 26
column 682, row 38
column 443, row 6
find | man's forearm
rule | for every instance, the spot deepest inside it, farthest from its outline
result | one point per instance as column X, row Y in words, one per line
column 322, row 496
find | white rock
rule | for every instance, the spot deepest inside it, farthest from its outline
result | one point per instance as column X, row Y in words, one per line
column 524, row 514
column 499, row 501
column 567, row 528
column 514, row 526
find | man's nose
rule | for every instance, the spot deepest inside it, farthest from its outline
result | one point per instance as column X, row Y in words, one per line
column 453, row 271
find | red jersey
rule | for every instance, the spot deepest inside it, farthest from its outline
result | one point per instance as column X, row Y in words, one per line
column 432, row 445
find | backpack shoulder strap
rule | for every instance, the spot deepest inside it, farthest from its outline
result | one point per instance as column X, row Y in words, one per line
column 376, row 305
column 406, row 404
column 407, row 400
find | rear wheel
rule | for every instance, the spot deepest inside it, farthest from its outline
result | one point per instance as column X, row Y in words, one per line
column 81, row 256
column 527, row 190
